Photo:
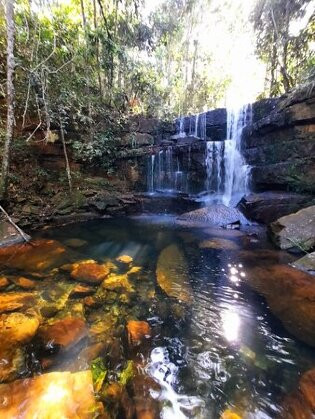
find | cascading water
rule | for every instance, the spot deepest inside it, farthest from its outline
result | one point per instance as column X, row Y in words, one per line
column 165, row 173
column 236, row 171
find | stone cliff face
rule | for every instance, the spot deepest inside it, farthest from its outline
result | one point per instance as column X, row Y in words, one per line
column 281, row 146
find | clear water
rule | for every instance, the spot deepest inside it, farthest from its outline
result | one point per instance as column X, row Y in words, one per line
column 222, row 350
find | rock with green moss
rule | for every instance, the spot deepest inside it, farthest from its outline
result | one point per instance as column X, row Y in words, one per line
column 99, row 373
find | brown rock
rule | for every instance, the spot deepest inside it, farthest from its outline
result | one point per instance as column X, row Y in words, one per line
column 124, row 262
column 301, row 403
column 63, row 334
column 138, row 331
column 37, row 255
column 15, row 301
column 172, row 274
column 16, row 329
column 117, row 282
column 89, row 271
column 4, row 282
column 218, row 244
column 25, row 283
column 81, row 291
column 50, row 396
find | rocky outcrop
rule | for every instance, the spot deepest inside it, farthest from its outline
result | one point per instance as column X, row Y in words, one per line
column 281, row 146
column 295, row 231
column 306, row 263
column 266, row 207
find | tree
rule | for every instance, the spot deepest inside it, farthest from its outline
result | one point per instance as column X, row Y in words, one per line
column 10, row 97
column 286, row 55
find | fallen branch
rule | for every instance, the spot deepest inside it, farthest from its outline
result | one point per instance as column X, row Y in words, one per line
column 21, row 232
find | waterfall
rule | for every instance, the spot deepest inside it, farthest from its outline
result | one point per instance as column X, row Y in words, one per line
column 236, row 171
column 182, row 132
column 214, row 166
column 196, row 125
column 165, row 173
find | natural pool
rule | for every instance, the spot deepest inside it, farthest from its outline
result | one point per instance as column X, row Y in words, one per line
column 174, row 330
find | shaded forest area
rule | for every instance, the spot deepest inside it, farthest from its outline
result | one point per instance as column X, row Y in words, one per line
column 73, row 72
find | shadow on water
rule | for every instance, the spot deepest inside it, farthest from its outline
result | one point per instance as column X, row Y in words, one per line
column 175, row 331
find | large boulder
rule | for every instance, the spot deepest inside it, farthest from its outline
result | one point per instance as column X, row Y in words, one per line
column 216, row 215
column 172, row 274
column 295, row 231
column 266, row 207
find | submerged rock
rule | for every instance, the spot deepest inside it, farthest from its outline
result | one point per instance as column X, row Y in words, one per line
column 53, row 395
column 218, row 244
column 16, row 301
column 138, row 331
column 223, row 232
column 62, row 334
column 124, row 262
column 89, row 271
column 295, row 231
column 37, row 255
column 75, row 243
column 301, row 403
column 4, row 282
column 16, row 329
column 81, row 291
column 306, row 263
column 24, row 283
column 296, row 306
column 172, row 274
column 216, row 215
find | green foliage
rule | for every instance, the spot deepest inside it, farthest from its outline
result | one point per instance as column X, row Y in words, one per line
column 98, row 373
column 127, row 374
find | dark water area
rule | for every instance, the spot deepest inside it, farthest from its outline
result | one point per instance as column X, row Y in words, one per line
column 212, row 346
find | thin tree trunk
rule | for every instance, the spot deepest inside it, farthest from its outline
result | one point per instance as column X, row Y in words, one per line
column 97, row 51
column 10, row 97
column 68, row 170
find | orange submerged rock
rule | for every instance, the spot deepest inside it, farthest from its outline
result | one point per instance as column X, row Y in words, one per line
column 50, row 396
column 17, row 300
column 37, row 255
column 89, row 271
column 63, row 333
column 138, row 331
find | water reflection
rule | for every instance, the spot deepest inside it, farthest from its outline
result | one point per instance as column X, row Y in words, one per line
column 231, row 322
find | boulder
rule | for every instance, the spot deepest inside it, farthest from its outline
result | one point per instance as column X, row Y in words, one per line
column 266, row 207
column 53, row 395
column 173, row 274
column 295, row 231
column 306, row 263
column 215, row 215
column 89, row 271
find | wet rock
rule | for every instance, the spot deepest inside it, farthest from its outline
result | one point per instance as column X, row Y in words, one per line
column 218, row 215
column 92, row 302
column 9, row 235
column 16, row 301
column 124, row 262
column 138, row 331
column 218, row 244
column 103, row 329
column 53, row 395
column 80, row 291
column 146, row 406
column 172, row 274
column 117, row 282
column 24, row 283
column 62, row 334
column 89, row 271
column 37, row 255
column 75, row 243
column 301, row 403
column 4, row 282
column 306, row 263
column 16, row 329
column 295, row 231
column 296, row 306
column 266, row 207
column 229, row 414
column 135, row 272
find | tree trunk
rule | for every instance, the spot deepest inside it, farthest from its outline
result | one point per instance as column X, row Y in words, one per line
column 10, row 97
column 68, row 170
